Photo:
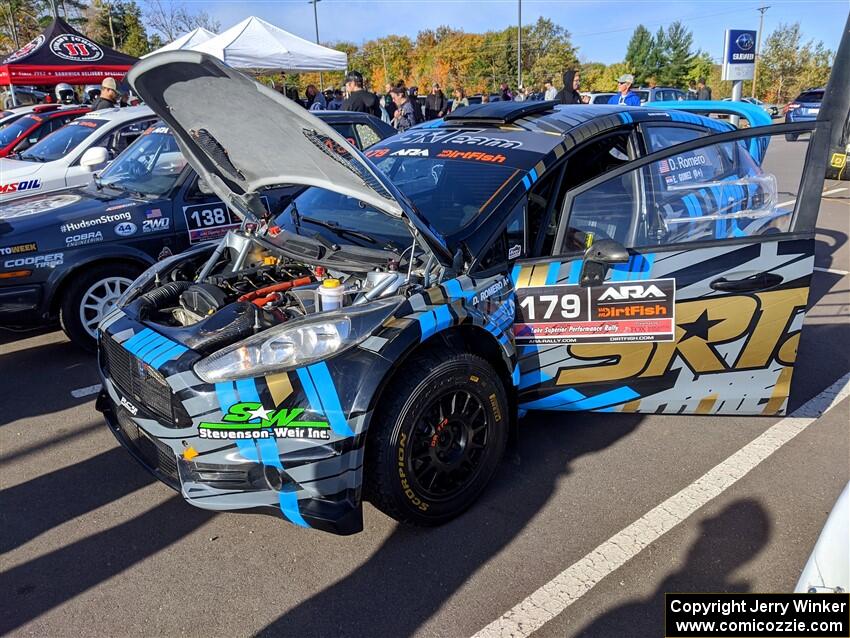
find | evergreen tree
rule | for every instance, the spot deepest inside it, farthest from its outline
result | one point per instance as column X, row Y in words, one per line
column 657, row 58
column 638, row 53
column 679, row 58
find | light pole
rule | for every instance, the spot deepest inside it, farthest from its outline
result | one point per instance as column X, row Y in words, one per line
column 761, row 10
column 519, row 46
column 316, row 20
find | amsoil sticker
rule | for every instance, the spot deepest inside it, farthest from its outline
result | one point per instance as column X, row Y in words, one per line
column 615, row 312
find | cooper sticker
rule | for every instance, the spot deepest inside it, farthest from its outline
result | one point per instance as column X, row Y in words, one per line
column 628, row 311
column 37, row 261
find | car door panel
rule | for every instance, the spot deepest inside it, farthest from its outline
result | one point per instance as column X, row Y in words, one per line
column 739, row 296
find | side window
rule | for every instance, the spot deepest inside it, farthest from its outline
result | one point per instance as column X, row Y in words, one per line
column 660, row 137
column 120, row 139
column 508, row 245
column 347, row 131
column 368, row 136
column 712, row 192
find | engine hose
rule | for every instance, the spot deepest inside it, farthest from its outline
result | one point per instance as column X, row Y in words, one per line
column 265, row 292
column 159, row 297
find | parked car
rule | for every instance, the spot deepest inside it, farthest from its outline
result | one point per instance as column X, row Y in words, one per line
column 514, row 256
column 30, row 128
column 659, row 94
column 72, row 253
column 24, row 96
column 804, row 109
column 70, row 155
column 597, row 98
column 770, row 109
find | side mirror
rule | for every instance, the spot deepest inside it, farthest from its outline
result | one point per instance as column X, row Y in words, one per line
column 204, row 188
column 94, row 157
column 598, row 257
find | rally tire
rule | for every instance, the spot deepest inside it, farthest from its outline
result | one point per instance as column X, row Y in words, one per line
column 403, row 457
column 791, row 137
column 88, row 285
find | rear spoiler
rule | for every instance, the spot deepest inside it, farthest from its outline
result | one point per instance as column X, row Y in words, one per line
column 755, row 115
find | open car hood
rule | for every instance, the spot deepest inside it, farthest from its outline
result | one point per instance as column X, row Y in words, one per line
column 242, row 136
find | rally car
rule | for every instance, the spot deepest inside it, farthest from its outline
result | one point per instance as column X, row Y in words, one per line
column 27, row 130
column 70, row 254
column 70, row 155
column 514, row 256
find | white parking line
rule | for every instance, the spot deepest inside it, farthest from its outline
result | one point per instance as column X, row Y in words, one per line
column 833, row 271
column 824, row 194
column 79, row 393
column 579, row 578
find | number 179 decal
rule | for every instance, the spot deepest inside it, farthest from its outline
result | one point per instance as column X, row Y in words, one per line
column 614, row 312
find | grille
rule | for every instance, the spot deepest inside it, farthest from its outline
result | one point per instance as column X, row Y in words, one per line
column 157, row 456
column 138, row 380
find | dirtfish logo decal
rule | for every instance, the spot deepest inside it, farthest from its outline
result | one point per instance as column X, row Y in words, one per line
column 253, row 421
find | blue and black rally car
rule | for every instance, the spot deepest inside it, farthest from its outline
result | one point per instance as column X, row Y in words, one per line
column 515, row 256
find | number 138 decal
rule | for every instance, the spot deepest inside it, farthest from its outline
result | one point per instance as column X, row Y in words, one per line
column 614, row 312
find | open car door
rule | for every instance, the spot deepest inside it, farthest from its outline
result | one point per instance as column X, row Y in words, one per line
column 679, row 281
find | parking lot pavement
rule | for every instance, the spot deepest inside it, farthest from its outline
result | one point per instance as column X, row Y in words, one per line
column 91, row 545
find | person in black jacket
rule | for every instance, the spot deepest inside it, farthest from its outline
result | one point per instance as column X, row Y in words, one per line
column 436, row 103
column 359, row 99
column 569, row 94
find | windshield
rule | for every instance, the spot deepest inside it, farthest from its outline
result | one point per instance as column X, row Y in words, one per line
column 449, row 193
column 643, row 95
column 810, row 96
column 61, row 142
column 149, row 166
column 343, row 220
column 17, row 128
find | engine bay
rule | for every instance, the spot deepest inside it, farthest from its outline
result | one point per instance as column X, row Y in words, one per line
column 250, row 283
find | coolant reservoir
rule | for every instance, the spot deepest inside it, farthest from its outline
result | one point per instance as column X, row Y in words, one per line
column 330, row 294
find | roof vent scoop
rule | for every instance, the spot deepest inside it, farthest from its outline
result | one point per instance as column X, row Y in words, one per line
column 498, row 113
column 216, row 151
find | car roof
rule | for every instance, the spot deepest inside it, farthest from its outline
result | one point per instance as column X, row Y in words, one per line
column 119, row 114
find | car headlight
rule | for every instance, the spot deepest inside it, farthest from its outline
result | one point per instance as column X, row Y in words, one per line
column 296, row 343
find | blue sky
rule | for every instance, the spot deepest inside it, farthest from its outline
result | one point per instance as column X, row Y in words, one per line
column 601, row 29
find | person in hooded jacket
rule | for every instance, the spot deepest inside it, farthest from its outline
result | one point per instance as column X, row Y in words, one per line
column 569, row 94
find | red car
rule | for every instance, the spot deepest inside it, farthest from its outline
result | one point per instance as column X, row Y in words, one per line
column 29, row 129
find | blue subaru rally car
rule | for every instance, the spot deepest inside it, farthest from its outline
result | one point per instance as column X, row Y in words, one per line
column 516, row 256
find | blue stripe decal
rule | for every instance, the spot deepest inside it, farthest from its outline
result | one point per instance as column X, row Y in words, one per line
column 620, row 272
column 269, row 452
column 533, row 175
column 175, row 351
column 139, row 339
column 427, row 324
column 552, row 272
column 453, row 288
column 554, row 401
column 686, row 200
column 515, row 273
column 153, row 348
column 443, row 316
column 535, row 377
column 247, row 390
column 330, row 399
column 575, row 271
column 526, row 182
column 310, row 391
column 612, row 397
column 226, row 395
column 515, row 376
column 289, row 507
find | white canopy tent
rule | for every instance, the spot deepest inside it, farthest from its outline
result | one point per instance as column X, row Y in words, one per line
column 186, row 41
column 259, row 46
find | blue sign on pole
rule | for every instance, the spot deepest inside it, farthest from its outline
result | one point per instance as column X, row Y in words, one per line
column 739, row 54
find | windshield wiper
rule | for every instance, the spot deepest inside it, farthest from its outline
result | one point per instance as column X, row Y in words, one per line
column 31, row 158
column 336, row 228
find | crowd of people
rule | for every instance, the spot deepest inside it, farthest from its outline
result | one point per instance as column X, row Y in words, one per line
column 403, row 107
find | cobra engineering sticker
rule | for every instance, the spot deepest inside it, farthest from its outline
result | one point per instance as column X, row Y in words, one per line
column 618, row 311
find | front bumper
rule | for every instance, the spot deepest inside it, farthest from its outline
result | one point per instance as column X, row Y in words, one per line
column 309, row 483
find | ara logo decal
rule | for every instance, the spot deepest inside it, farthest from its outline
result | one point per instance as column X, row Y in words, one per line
column 69, row 46
column 16, row 187
column 249, row 420
column 411, row 152
column 631, row 291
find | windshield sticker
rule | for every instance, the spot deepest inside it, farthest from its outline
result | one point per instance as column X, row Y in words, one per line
column 86, row 123
column 70, row 227
column 681, row 169
column 253, row 421
column 19, row 248
column 635, row 311
column 25, row 207
column 163, row 130
column 17, row 187
column 377, row 152
column 411, row 152
column 464, row 137
column 476, row 156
